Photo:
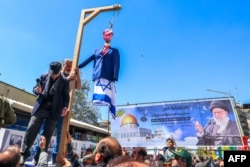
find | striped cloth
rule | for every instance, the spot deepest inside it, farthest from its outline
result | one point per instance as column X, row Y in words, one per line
column 104, row 94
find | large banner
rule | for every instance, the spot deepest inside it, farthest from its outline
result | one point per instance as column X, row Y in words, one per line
column 203, row 122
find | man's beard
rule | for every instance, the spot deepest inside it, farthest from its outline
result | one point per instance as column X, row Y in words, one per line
column 67, row 72
column 222, row 123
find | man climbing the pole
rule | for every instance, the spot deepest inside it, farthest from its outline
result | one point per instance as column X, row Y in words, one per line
column 105, row 72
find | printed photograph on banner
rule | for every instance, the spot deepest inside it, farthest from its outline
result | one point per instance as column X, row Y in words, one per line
column 204, row 122
column 15, row 140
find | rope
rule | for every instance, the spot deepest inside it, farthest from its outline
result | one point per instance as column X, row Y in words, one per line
column 112, row 19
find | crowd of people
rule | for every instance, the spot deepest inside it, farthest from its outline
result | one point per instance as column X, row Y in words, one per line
column 47, row 115
column 109, row 153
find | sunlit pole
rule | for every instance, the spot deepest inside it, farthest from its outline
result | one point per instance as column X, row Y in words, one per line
column 86, row 16
column 220, row 92
column 224, row 93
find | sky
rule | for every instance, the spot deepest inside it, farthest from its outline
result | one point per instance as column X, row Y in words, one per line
column 170, row 49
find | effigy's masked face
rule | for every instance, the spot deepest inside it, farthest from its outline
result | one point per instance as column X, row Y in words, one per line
column 107, row 37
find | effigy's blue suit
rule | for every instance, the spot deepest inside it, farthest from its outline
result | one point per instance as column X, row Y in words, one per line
column 105, row 66
column 105, row 73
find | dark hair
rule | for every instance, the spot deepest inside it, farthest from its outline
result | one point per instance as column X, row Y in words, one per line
column 10, row 157
column 142, row 152
column 182, row 159
column 124, row 161
column 170, row 140
column 106, row 152
column 109, row 150
column 89, row 149
column 161, row 158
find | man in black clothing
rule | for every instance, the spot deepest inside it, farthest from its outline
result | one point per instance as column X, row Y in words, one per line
column 52, row 102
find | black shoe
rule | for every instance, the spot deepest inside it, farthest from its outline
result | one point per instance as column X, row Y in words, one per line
column 22, row 160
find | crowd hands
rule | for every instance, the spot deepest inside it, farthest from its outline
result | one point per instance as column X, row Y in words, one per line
column 109, row 153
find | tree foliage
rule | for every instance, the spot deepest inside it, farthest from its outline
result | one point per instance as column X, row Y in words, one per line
column 82, row 109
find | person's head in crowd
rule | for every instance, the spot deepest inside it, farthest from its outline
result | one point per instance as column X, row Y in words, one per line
column 140, row 154
column 167, row 164
column 134, row 152
column 221, row 164
column 182, row 158
column 161, row 158
column 170, row 143
column 55, row 68
column 219, row 159
column 124, row 152
column 88, row 160
column 125, row 161
column 10, row 157
column 106, row 150
column 67, row 66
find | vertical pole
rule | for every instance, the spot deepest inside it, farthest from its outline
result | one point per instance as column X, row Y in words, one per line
column 86, row 16
column 66, row 119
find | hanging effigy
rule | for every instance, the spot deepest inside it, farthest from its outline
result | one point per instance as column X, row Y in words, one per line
column 105, row 72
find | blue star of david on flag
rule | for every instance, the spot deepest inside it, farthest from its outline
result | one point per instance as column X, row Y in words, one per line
column 103, row 86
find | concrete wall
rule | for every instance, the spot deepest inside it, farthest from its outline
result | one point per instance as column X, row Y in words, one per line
column 17, row 94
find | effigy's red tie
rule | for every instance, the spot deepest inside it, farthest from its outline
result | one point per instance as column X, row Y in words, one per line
column 104, row 50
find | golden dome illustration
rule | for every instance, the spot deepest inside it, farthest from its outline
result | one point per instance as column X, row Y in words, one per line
column 129, row 119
